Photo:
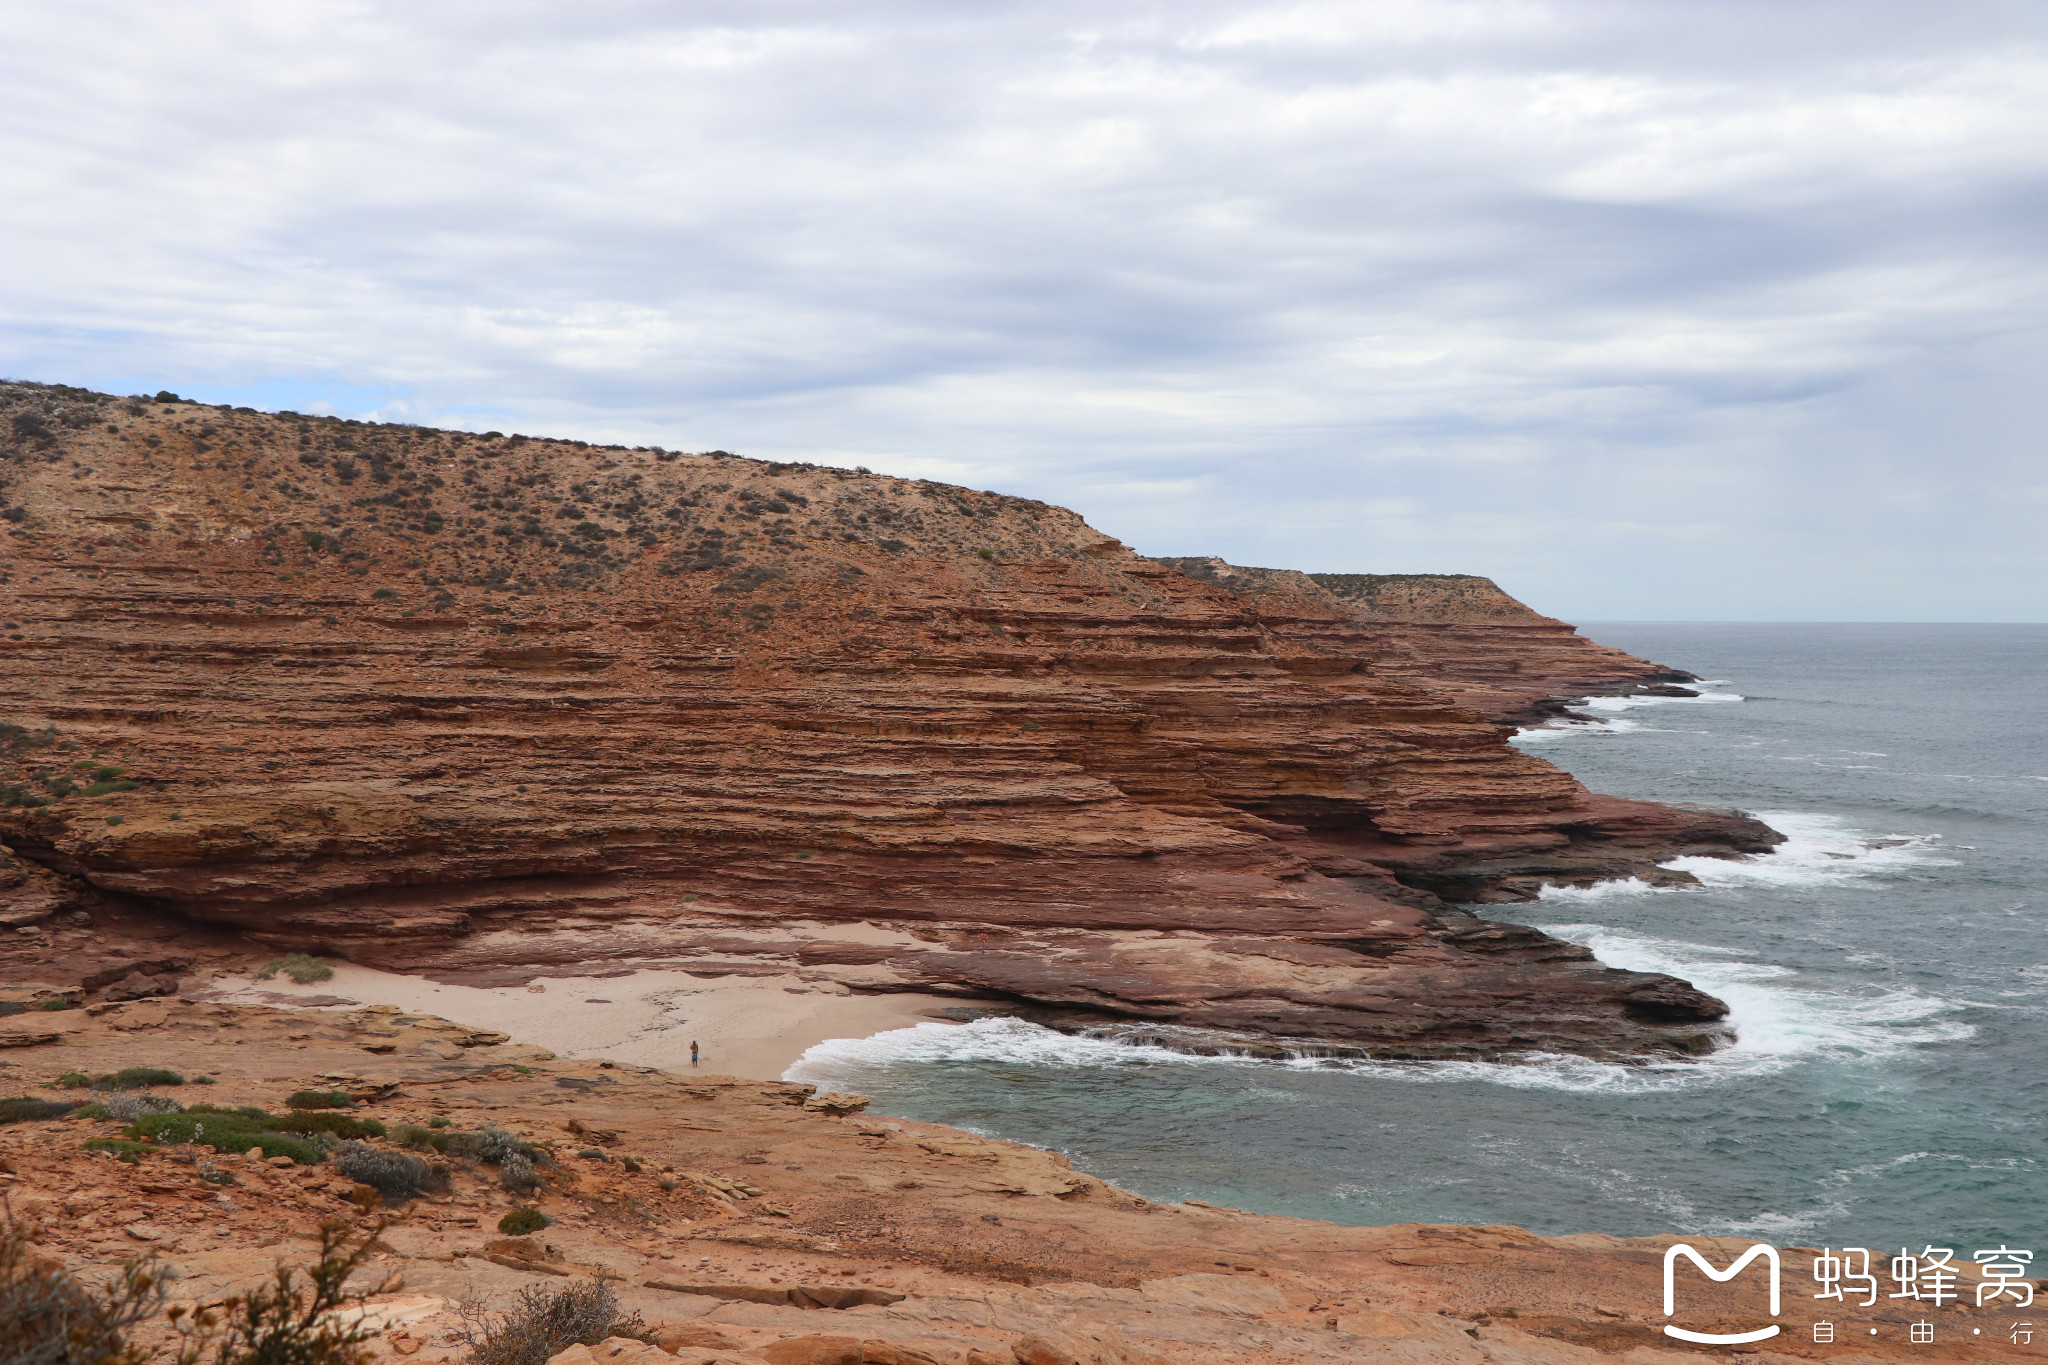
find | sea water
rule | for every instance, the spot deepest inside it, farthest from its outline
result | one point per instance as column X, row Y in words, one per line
column 1886, row 969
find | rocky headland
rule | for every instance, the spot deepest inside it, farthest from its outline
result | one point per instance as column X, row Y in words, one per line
column 487, row 707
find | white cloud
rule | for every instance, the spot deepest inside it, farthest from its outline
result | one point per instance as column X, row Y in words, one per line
column 1532, row 289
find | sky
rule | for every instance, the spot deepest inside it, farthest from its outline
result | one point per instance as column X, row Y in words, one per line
column 1688, row 310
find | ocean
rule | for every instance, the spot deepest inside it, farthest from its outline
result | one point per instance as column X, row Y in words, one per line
column 1887, row 969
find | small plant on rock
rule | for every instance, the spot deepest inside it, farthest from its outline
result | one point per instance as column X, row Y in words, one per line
column 28, row 1109
column 128, row 1107
column 300, row 967
column 518, row 1175
column 318, row 1099
column 543, row 1323
column 519, row 1222
column 287, row 1322
column 48, row 1317
column 395, row 1175
column 137, row 1078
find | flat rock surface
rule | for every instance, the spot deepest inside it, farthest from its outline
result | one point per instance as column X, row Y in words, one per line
column 948, row 1247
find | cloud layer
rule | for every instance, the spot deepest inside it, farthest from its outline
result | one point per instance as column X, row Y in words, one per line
column 1716, row 309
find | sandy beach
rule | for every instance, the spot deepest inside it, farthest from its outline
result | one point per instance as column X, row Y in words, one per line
column 751, row 1026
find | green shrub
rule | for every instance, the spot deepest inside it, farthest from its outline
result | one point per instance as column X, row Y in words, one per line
column 124, row 1149
column 102, row 788
column 137, row 1078
column 300, row 967
column 437, row 1123
column 28, row 1109
column 224, row 1131
column 341, row 1125
column 74, row 1080
column 319, row 1099
column 519, row 1222
column 420, row 1139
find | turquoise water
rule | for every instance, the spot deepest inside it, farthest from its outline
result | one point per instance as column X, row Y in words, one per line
column 1887, row 970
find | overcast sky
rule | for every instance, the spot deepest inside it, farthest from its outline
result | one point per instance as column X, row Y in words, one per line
column 1729, row 309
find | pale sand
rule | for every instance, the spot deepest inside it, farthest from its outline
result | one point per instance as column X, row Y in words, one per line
column 751, row 1026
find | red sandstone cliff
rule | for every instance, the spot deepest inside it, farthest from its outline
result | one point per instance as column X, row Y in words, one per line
column 1461, row 636
column 488, row 705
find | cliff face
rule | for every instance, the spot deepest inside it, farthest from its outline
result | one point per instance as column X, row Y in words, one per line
column 1461, row 636
column 489, row 705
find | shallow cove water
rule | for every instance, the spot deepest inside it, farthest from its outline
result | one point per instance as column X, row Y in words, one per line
column 1887, row 969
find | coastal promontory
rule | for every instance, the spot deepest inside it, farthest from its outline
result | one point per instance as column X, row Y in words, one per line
column 482, row 706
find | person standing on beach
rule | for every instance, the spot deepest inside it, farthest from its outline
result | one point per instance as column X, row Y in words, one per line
column 693, row 1052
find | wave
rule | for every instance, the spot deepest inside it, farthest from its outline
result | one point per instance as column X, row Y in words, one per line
column 1819, row 851
column 1773, row 1019
column 1776, row 1025
column 1604, row 715
column 1560, row 728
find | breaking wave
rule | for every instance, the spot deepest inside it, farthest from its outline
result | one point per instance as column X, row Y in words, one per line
column 1819, row 851
column 1775, row 1021
column 1606, row 715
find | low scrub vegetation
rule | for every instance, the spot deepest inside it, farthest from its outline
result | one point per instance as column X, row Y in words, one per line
column 543, row 1323
column 318, row 1099
column 395, row 1175
column 300, row 967
column 49, row 1317
column 341, row 1125
column 29, row 1109
column 226, row 1130
column 519, row 1222
column 291, row 1321
column 127, row 1078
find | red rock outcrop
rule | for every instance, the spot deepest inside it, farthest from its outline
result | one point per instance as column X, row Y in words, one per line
column 1461, row 636
column 458, row 703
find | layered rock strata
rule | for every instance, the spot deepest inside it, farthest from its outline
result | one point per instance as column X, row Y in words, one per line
column 1459, row 635
column 488, row 705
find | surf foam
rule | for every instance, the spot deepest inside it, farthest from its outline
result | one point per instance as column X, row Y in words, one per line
column 1604, row 715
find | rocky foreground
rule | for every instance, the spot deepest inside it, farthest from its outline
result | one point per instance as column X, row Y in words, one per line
column 760, row 1224
column 485, row 707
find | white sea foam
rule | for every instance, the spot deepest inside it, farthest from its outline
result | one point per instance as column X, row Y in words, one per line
column 1774, row 1018
column 1610, row 890
column 1819, row 851
column 1776, row 1022
column 1702, row 697
column 1563, row 727
column 1605, row 715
